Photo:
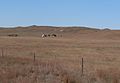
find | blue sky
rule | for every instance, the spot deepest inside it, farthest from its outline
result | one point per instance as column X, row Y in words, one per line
column 92, row 13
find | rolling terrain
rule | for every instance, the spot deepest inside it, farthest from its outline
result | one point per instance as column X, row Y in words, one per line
column 29, row 58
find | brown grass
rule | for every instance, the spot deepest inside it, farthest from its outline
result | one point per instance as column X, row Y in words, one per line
column 58, row 60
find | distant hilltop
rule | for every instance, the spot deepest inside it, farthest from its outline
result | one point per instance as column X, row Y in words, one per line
column 72, row 31
column 35, row 26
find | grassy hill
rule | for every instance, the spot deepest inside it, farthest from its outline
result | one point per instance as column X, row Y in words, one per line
column 81, row 32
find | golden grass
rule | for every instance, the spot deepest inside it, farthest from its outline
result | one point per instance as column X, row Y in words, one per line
column 58, row 60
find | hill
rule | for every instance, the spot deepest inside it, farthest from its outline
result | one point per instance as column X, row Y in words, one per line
column 81, row 32
column 38, row 30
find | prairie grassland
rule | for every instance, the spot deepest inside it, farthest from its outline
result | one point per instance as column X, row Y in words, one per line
column 58, row 60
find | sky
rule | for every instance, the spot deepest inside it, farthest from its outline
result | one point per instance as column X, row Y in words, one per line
column 91, row 13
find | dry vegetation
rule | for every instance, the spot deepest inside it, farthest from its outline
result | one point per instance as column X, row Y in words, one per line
column 58, row 60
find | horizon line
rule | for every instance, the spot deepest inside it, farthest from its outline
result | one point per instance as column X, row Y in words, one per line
column 58, row 26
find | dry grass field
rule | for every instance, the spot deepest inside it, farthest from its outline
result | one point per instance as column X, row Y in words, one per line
column 58, row 59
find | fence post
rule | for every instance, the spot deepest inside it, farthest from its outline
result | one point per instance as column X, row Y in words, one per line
column 34, row 56
column 82, row 65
